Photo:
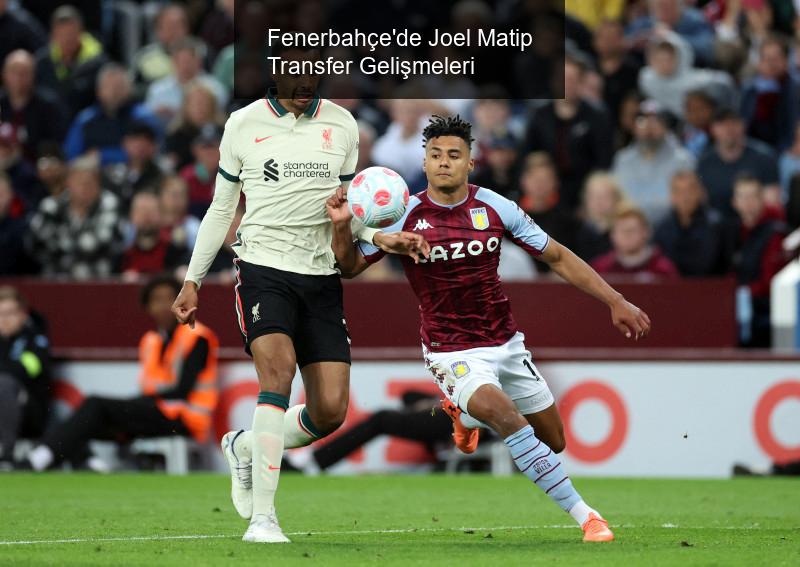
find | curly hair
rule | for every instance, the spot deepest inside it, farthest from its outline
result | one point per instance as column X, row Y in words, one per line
column 448, row 126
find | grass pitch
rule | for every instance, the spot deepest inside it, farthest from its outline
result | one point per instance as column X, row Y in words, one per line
column 127, row 519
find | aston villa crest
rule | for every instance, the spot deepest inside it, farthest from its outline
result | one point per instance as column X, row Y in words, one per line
column 480, row 218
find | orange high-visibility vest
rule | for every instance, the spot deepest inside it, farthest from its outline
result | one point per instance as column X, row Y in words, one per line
column 160, row 374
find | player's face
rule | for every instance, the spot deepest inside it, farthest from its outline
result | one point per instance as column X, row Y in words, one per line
column 629, row 235
column 447, row 163
column 159, row 306
column 698, row 112
column 297, row 90
column 748, row 202
column 686, row 195
column 728, row 132
column 12, row 318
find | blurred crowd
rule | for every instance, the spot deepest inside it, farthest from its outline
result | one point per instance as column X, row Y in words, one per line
column 675, row 151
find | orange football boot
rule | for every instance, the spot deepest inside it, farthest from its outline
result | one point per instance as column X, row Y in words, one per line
column 596, row 529
column 466, row 439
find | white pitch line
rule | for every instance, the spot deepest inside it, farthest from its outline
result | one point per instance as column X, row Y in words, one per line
column 305, row 533
column 351, row 532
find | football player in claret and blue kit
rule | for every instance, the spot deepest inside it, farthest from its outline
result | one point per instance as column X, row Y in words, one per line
column 470, row 341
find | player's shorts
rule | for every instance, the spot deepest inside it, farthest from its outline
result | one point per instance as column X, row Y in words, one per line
column 509, row 367
column 307, row 308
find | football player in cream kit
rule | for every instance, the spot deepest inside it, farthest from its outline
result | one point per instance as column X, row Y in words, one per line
column 288, row 152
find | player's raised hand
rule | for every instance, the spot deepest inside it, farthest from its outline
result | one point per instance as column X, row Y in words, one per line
column 337, row 207
column 185, row 306
column 630, row 320
column 405, row 244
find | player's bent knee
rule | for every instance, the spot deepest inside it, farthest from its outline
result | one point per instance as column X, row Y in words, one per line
column 558, row 444
column 274, row 373
column 504, row 421
column 327, row 418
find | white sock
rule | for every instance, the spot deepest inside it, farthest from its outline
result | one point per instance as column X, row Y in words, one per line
column 267, row 450
column 298, row 431
column 580, row 512
column 294, row 434
column 41, row 457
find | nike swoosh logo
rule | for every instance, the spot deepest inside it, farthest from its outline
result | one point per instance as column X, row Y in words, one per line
column 259, row 140
column 270, row 467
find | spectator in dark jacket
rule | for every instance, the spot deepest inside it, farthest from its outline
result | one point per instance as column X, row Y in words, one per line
column 51, row 169
column 139, row 172
column 771, row 100
column 632, row 253
column 70, row 62
column 577, row 134
column 201, row 174
column 757, row 241
column 620, row 70
column 34, row 112
column 540, row 199
column 698, row 113
column 78, row 233
column 19, row 30
column 199, row 108
column 102, row 126
column 12, row 232
column 24, row 374
column 691, row 235
column 499, row 172
column 731, row 155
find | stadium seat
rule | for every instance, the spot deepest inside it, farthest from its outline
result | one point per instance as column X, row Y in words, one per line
column 175, row 450
column 493, row 451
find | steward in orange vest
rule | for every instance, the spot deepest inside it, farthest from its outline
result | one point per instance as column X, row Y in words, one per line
column 179, row 369
column 179, row 390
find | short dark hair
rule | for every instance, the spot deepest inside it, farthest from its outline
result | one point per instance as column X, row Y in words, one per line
column 747, row 178
column 66, row 13
column 777, row 40
column 726, row 113
column 142, row 129
column 156, row 282
column 10, row 293
column 703, row 95
column 448, row 126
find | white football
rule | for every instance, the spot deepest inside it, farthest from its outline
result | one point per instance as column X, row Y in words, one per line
column 378, row 197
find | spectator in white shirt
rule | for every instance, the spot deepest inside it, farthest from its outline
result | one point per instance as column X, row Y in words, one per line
column 400, row 148
column 165, row 96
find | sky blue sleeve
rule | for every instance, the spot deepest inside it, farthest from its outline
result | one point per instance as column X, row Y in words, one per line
column 520, row 227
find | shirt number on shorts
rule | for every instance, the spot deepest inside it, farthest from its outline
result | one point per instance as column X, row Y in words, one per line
column 530, row 367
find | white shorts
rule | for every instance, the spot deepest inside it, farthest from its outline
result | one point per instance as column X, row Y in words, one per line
column 509, row 367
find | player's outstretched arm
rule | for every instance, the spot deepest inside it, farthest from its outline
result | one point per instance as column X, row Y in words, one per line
column 215, row 225
column 351, row 262
column 629, row 319
column 210, row 237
